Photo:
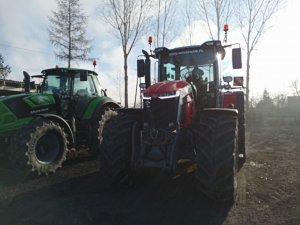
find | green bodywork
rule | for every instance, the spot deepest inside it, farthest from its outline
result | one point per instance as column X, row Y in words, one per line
column 18, row 110
column 93, row 104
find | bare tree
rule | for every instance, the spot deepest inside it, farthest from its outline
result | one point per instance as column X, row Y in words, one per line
column 4, row 70
column 128, row 18
column 188, row 22
column 215, row 13
column 164, row 23
column 67, row 31
column 253, row 17
column 280, row 100
column 295, row 87
column 117, row 79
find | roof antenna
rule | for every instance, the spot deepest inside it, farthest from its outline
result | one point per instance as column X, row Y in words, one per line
column 94, row 64
column 226, row 28
column 150, row 42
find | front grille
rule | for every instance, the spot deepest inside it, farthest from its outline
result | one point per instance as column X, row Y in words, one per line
column 165, row 112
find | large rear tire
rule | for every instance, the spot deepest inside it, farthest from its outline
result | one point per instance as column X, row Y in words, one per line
column 115, row 149
column 216, row 140
column 41, row 145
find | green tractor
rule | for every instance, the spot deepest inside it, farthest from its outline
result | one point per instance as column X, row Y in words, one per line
column 37, row 130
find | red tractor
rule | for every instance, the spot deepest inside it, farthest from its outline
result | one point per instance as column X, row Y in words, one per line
column 188, row 114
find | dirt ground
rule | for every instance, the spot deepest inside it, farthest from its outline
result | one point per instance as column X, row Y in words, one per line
column 268, row 192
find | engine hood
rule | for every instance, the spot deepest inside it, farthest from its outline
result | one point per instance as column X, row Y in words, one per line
column 159, row 88
column 23, row 105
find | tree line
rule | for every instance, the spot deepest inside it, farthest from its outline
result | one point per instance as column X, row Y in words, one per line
column 276, row 109
column 132, row 19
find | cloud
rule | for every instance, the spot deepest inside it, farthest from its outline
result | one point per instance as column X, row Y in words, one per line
column 24, row 43
column 24, row 38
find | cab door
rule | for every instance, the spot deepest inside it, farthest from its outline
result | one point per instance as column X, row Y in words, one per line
column 84, row 91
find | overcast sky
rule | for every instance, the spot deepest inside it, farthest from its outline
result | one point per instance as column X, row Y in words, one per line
column 24, row 43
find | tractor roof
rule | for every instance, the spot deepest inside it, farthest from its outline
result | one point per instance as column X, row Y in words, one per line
column 191, row 49
column 66, row 70
column 205, row 45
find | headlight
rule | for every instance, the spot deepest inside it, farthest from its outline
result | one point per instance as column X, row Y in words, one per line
column 164, row 95
column 171, row 94
column 146, row 96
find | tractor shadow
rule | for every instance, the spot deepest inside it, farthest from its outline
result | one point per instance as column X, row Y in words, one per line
column 10, row 176
column 156, row 198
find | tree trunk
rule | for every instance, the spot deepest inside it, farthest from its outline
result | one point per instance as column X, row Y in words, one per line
column 248, row 80
column 157, row 27
column 126, row 81
column 70, row 45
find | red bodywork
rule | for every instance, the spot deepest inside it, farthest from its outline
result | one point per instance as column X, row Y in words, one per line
column 157, row 89
column 188, row 111
column 230, row 100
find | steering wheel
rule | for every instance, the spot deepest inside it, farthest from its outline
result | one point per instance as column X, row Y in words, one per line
column 185, row 73
column 190, row 77
column 194, row 75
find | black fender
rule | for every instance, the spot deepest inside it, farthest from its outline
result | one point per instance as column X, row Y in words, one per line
column 220, row 111
column 62, row 122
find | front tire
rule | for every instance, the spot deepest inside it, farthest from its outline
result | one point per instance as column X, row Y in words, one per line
column 216, row 140
column 41, row 145
column 115, row 150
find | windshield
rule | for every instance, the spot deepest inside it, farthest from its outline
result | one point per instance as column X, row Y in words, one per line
column 177, row 72
column 54, row 84
column 181, row 65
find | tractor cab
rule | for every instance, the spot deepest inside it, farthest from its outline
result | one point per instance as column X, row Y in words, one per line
column 193, row 72
column 73, row 89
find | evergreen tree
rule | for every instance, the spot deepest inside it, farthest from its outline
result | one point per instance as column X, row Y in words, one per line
column 67, row 31
column 4, row 70
column 266, row 104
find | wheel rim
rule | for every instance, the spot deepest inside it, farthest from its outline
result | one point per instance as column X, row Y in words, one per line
column 48, row 148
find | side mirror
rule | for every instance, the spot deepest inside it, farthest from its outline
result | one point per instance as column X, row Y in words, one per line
column 83, row 76
column 103, row 91
column 236, row 58
column 227, row 79
column 144, row 70
column 147, row 71
column 140, row 68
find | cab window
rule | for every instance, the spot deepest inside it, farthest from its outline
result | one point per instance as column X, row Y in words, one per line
column 55, row 84
column 84, row 87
